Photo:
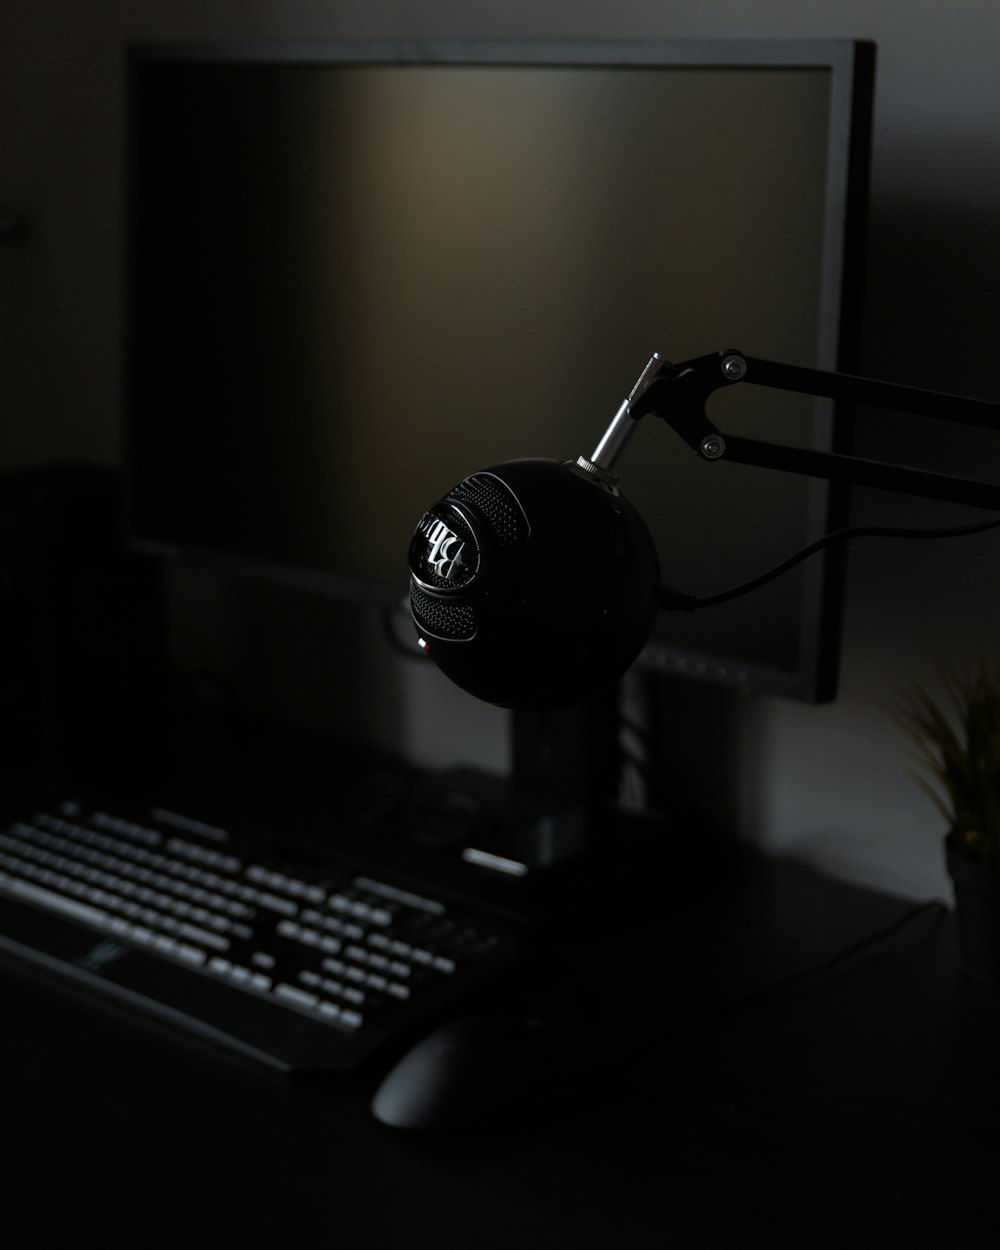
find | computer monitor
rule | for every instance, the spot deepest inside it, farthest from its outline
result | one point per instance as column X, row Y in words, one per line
column 359, row 272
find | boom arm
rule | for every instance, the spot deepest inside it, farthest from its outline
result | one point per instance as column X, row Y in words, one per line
column 679, row 394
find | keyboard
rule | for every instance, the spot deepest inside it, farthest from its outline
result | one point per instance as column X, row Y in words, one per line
column 305, row 962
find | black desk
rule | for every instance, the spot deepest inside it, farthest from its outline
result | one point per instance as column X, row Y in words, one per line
column 857, row 1108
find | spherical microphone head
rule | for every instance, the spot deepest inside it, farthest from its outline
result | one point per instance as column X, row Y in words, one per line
column 533, row 583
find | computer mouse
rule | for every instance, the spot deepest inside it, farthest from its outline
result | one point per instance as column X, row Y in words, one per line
column 470, row 1072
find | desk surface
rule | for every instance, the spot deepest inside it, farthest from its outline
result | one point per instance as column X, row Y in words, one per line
column 856, row 1108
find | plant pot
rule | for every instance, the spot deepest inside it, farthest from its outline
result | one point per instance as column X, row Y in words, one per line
column 977, row 910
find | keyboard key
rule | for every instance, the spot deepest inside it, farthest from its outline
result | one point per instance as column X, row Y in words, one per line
column 53, row 901
column 299, row 998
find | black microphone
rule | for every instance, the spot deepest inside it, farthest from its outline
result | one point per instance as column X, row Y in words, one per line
column 533, row 583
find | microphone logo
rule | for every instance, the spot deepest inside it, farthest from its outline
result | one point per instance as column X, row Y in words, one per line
column 444, row 554
column 444, row 550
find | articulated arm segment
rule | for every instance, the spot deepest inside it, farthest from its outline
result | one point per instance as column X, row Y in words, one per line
column 679, row 394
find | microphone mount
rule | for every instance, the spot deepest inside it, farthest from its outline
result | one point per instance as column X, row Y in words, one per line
column 679, row 393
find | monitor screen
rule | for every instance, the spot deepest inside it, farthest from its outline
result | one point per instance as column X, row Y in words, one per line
column 358, row 273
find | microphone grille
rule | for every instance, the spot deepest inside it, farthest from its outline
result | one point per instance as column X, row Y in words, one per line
column 443, row 619
column 495, row 501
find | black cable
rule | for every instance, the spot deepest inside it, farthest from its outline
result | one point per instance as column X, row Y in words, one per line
column 607, row 1049
column 784, row 985
column 678, row 600
column 776, row 990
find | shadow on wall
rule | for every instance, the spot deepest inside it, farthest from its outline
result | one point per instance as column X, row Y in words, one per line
column 932, row 318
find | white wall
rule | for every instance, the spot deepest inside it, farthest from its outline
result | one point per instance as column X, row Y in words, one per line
column 825, row 783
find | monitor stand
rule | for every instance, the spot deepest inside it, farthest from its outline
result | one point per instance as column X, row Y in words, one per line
column 554, row 805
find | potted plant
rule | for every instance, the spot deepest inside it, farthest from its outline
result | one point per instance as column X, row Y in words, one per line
column 957, row 734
